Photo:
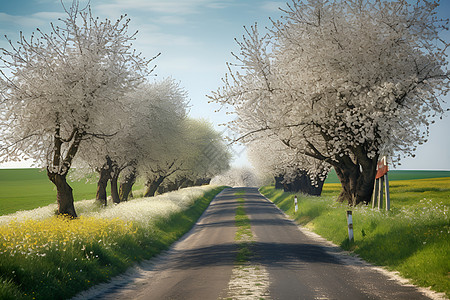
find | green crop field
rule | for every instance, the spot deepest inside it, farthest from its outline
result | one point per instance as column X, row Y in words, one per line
column 24, row 189
column 400, row 175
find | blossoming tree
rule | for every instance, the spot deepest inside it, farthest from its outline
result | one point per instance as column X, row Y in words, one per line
column 343, row 82
column 56, row 87
column 205, row 155
column 148, row 116
column 292, row 170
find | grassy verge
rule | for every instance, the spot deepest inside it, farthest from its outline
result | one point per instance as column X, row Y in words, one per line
column 56, row 258
column 243, row 233
column 413, row 238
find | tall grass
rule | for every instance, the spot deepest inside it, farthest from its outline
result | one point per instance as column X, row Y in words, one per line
column 413, row 238
column 47, row 257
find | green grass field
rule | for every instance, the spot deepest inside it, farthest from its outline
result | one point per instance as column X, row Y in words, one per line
column 399, row 175
column 413, row 238
column 24, row 189
column 55, row 258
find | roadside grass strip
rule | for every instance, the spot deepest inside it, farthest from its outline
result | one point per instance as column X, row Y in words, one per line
column 413, row 238
column 248, row 280
column 43, row 256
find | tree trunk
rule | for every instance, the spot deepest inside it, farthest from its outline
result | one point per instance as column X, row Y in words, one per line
column 357, row 179
column 186, row 183
column 64, row 194
column 126, row 186
column 153, row 186
column 171, row 186
column 279, row 182
column 202, row 181
column 102, row 183
column 114, row 188
column 161, row 190
column 303, row 184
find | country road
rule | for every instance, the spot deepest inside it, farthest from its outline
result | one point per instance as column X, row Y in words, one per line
column 298, row 266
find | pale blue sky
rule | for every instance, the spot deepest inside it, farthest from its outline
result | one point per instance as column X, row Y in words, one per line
column 195, row 38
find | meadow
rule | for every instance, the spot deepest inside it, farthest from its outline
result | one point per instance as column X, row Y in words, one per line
column 43, row 256
column 413, row 238
column 400, row 175
column 24, row 189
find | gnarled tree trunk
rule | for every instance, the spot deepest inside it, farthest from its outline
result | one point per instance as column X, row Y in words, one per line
column 185, row 182
column 357, row 177
column 114, row 187
column 279, row 182
column 104, row 176
column 64, row 194
column 153, row 186
column 126, row 186
column 202, row 181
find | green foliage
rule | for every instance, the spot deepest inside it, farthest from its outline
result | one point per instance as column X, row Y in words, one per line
column 413, row 238
column 62, row 274
column 9, row 290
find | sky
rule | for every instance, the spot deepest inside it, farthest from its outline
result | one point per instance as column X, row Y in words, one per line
column 195, row 39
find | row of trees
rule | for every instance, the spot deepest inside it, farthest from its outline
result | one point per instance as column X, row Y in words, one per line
column 292, row 171
column 80, row 96
column 339, row 84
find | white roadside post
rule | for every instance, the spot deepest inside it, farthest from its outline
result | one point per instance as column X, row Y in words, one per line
column 295, row 203
column 350, row 225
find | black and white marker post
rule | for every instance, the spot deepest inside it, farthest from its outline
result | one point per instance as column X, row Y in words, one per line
column 350, row 225
column 295, row 204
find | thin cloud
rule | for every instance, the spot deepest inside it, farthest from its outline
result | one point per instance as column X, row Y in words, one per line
column 171, row 7
column 171, row 20
column 272, row 6
column 49, row 15
column 29, row 22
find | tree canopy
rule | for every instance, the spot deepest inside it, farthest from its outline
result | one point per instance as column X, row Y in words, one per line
column 80, row 95
column 343, row 82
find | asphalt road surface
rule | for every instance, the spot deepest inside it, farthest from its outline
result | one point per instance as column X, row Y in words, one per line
column 300, row 267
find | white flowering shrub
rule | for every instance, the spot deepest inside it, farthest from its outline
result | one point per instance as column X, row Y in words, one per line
column 141, row 210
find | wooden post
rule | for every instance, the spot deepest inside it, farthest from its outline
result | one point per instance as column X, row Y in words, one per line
column 350, row 225
column 375, row 194
column 386, row 187
column 380, row 193
column 380, row 179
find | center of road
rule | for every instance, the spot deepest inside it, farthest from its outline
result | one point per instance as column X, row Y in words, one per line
column 248, row 280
